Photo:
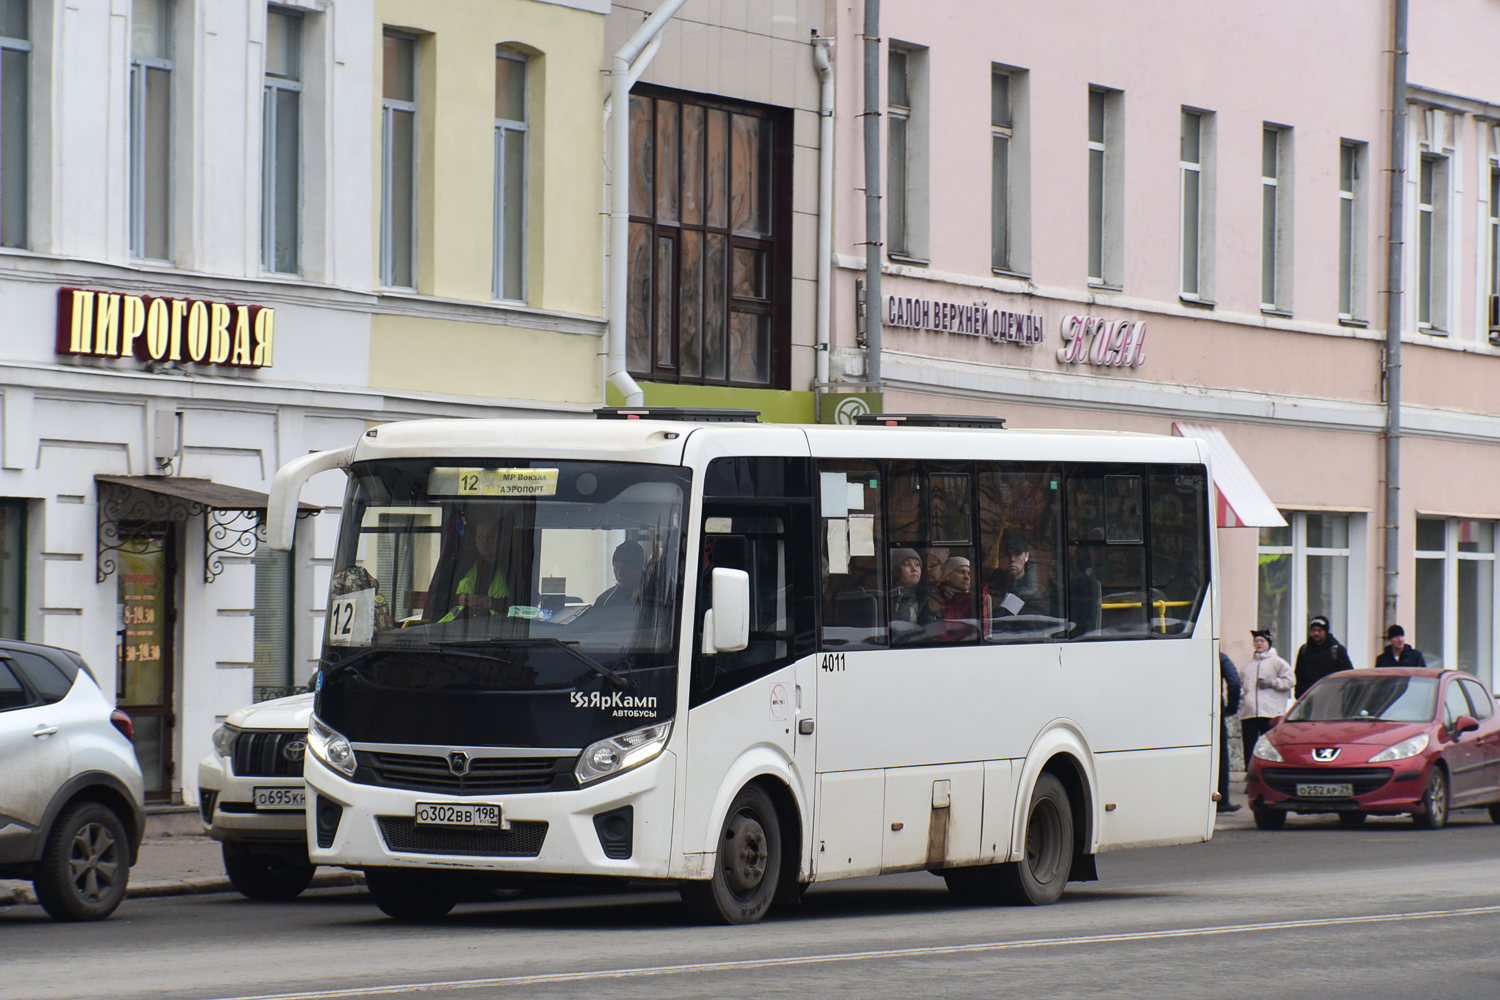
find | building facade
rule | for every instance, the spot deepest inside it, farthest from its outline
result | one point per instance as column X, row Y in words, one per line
column 235, row 233
column 1115, row 217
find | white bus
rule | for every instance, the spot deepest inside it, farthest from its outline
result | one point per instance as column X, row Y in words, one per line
column 741, row 658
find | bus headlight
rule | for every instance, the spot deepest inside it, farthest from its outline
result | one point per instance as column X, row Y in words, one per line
column 224, row 740
column 619, row 754
column 330, row 747
column 1402, row 750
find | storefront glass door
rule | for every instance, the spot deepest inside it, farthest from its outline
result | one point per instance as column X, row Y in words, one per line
column 147, row 585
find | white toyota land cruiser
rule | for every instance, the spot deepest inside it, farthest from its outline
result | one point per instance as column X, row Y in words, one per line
column 252, row 797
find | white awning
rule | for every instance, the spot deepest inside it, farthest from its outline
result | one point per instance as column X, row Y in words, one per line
column 1242, row 503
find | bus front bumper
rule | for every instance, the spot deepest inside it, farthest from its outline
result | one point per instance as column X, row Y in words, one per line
column 621, row 826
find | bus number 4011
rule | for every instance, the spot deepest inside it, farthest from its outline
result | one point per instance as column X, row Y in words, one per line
column 833, row 661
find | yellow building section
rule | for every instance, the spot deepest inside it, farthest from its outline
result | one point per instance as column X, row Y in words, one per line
column 456, row 46
column 474, row 359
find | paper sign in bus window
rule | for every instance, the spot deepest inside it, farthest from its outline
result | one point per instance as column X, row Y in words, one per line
column 351, row 619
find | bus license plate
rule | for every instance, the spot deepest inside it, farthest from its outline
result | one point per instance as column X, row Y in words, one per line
column 1325, row 791
column 280, row 798
column 464, row 815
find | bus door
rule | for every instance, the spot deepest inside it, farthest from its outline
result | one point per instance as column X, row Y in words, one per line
column 749, row 698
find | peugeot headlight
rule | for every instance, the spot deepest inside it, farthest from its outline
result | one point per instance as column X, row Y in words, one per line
column 1266, row 751
column 224, row 740
column 619, row 754
column 1402, row 750
column 330, row 747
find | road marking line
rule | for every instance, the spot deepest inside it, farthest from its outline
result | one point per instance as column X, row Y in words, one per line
column 857, row 956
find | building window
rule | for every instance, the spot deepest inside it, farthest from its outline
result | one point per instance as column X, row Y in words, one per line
column 710, row 260
column 15, row 98
column 281, row 167
column 151, row 129
column 510, row 176
column 1276, row 220
column 12, row 569
column 1351, row 230
column 1196, row 168
column 1455, row 592
column 906, row 154
column 1010, row 182
column 1494, row 244
column 1432, row 243
column 1106, row 186
column 398, row 173
column 1304, row 571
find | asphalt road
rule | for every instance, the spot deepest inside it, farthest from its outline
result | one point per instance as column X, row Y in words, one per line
column 1382, row 911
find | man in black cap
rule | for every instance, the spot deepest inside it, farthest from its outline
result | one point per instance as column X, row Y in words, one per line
column 1320, row 656
column 1397, row 653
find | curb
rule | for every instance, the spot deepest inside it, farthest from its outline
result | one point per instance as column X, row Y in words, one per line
column 185, row 887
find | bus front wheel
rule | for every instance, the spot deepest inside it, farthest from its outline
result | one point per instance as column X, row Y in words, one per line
column 1040, row 875
column 411, row 894
column 747, row 864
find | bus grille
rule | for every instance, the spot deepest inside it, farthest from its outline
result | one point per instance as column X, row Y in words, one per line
column 263, row 754
column 522, row 840
column 1364, row 780
column 486, row 775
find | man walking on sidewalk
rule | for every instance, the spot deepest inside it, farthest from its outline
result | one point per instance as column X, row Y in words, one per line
column 1397, row 653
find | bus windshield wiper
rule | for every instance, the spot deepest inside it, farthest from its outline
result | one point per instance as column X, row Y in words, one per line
column 616, row 678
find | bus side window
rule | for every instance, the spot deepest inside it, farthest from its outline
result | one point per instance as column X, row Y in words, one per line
column 1179, row 552
column 1107, row 596
column 1020, row 551
column 856, row 602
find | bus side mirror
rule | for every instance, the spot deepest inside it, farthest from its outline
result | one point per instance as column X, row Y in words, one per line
column 728, row 621
column 286, row 492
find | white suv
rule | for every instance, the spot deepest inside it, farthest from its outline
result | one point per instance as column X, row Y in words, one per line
column 70, row 786
column 252, row 797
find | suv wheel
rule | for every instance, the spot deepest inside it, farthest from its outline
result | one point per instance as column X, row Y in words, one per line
column 85, row 864
column 265, row 876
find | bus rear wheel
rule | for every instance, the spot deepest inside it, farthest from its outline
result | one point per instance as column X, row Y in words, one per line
column 411, row 894
column 1041, row 874
column 747, row 864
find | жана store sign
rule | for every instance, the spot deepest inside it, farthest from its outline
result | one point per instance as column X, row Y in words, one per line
column 112, row 325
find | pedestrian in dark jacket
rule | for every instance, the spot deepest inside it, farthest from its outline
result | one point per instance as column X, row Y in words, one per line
column 1320, row 656
column 1397, row 653
column 1229, row 704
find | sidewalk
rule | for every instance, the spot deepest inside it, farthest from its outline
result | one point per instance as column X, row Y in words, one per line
column 179, row 865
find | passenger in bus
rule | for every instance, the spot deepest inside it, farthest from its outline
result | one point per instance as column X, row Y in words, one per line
column 1010, row 585
column 629, row 565
column 481, row 587
column 929, row 596
column 957, row 595
column 906, row 577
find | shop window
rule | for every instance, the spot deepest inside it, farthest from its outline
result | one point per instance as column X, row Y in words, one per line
column 1455, row 592
column 15, row 98
column 12, row 569
column 709, row 250
column 1304, row 571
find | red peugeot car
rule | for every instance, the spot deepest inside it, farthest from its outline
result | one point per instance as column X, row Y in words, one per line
column 1383, row 741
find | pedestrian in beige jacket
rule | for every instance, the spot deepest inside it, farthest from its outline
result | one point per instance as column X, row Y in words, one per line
column 1266, row 681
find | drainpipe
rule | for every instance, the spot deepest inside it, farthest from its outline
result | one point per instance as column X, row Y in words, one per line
column 873, row 244
column 1392, row 366
column 629, row 63
column 825, row 207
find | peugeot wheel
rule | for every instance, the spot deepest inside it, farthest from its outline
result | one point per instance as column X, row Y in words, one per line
column 1434, row 813
column 1268, row 819
column 85, row 864
column 747, row 865
column 1041, row 874
column 411, row 894
column 265, row 876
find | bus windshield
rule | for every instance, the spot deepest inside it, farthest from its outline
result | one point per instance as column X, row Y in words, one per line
column 519, row 575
